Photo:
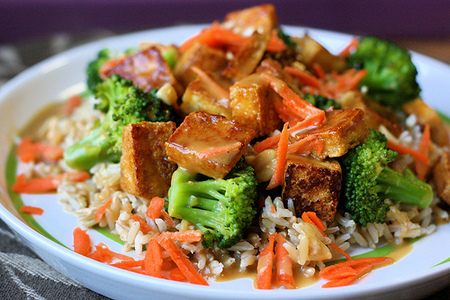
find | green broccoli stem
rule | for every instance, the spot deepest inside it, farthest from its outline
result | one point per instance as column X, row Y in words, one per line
column 202, row 217
column 404, row 188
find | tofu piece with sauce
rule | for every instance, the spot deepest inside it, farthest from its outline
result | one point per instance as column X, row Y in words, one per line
column 312, row 185
column 199, row 96
column 147, row 69
column 251, row 102
column 145, row 168
column 261, row 18
column 208, row 144
column 342, row 130
column 201, row 56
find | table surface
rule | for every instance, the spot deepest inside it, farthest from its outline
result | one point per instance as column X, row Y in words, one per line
column 23, row 275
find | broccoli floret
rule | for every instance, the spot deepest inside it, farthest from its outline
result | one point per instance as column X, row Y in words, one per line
column 286, row 39
column 221, row 209
column 322, row 102
column 92, row 72
column 391, row 77
column 368, row 181
column 127, row 104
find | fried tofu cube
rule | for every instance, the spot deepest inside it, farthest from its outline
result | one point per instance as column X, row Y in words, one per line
column 312, row 185
column 208, row 144
column 201, row 56
column 147, row 69
column 441, row 176
column 260, row 18
column 146, row 171
column 251, row 102
column 342, row 130
column 199, row 96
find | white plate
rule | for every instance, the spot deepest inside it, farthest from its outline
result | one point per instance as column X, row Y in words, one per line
column 413, row 276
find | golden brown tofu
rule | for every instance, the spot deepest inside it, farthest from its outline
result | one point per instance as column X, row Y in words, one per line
column 252, row 104
column 248, row 57
column 147, row 69
column 441, row 176
column 200, row 96
column 146, row 171
column 204, row 57
column 312, row 185
column 372, row 117
column 342, row 130
column 208, row 144
column 313, row 52
column 261, row 18
column 427, row 115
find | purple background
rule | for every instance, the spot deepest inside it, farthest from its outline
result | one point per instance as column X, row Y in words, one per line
column 24, row 19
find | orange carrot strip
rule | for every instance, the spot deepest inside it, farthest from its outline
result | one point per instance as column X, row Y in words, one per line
column 319, row 71
column 153, row 261
column 177, row 275
column 81, row 241
column 283, row 264
column 330, row 271
column 315, row 219
column 278, row 170
column 156, row 207
column 361, row 270
column 47, row 184
column 217, row 88
column 340, row 273
column 424, row 146
column 143, row 226
column 303, row 76
column 166, row 217
column 215, row 36
column 128, row 264
column 26, row 151
column 182, row 261
column 27, row 209
column 275, row 44
column 353, row 44
column 189, row 236
column 101, row 210
column 265, row 265
column 305, row 145
column 221, row 150
column 107, row 255
column 71, row 104
column 405, row 150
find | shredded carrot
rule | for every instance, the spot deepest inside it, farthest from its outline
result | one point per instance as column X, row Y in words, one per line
column 128, row 264
column 305, row 145
column 29, row 151
column 101, row 210
column 265, row 265
column 189, row 236
column 283, row 264
column 156, row 207
column 182, row 261
column 303, row 77
column 143, row 226
column 319, row 71
column 275, row 44
column 177, row 275
column 311, row 218
column 153, row 261
column 103, row 254
column 217, row 88
column 81, row 241
column 347, row 272
column 215, row 36
column 424, row 146
column 166, row 217
column 71, row 104
column 352, row 45
column 220, row 150
column 405, row 150
column 278, row 170
column 28, row 209
column 46, row 184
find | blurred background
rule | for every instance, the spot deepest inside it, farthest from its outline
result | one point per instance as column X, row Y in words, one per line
column 421, row 25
